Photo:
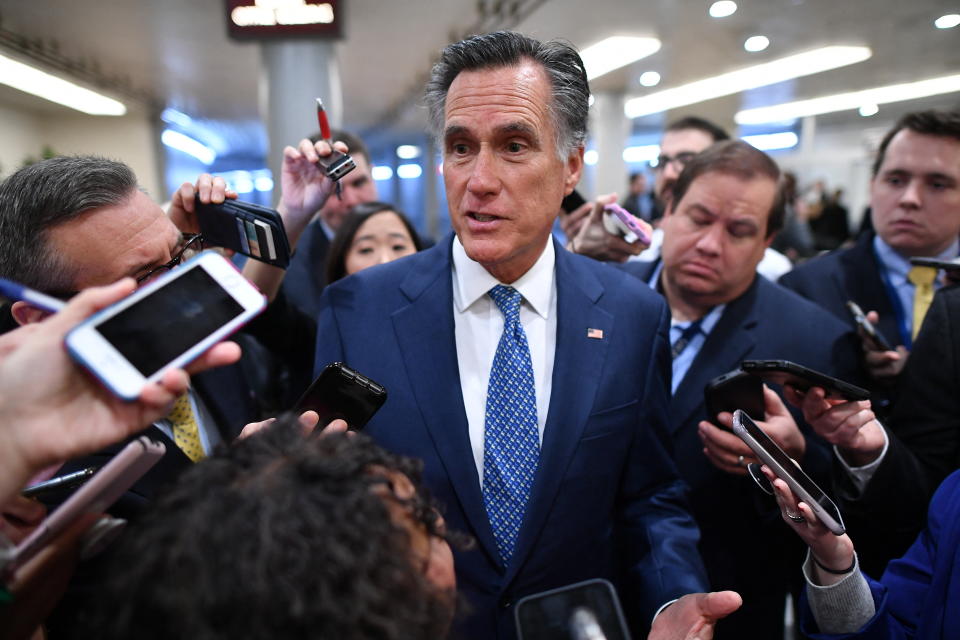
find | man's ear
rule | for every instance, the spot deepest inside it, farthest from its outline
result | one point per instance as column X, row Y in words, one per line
column 26, row 313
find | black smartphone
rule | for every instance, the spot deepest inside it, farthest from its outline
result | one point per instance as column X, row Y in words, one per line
column 246, row 228
column 946, row 265
column 866, row 327
column 801, row 378
column 572, row 202
column 341, row 392
column 58, row 483
column 787, row 470
column 588, row 609
column 735, row 390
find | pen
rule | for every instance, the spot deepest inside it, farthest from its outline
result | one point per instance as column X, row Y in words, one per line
column 16, row 291
column 322, row 120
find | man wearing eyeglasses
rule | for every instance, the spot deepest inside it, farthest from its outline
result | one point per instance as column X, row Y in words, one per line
column 70, row 223
column 74, row 222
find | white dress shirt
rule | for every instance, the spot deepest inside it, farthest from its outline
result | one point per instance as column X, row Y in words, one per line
column 478, row 325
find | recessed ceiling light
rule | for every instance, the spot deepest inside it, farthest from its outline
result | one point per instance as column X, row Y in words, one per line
column 756, row 43
column 381, row 172
column 722, row 9
column 616, row 52
column 49, row 87
column 948, row 21
column 760, row 75
column 850, row 101
column 868, row 110
column 408, row 151
column 649, row 78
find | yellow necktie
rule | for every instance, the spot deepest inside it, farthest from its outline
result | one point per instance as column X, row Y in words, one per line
column 186, row 432
column 922, row 279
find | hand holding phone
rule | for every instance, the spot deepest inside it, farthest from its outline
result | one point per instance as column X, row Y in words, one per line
column 94, row 497
column 801, row 378
column 165, row 324
column 341, row 392
column 867, row 329
column 789, row 471
column 618, row 220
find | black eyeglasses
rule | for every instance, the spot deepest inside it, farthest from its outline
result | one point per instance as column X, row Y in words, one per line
column 681, row 159
column 192, row 245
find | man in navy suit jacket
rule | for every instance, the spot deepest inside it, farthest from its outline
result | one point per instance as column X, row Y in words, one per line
column 605, row 500
column 724, row 211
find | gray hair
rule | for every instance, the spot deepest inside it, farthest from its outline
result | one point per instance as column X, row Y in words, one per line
column 46, row 194
column 560, row 61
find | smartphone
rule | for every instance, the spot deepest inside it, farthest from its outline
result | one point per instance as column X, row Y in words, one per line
column 873, row 336
column 572, row 202
column 735, row 390
column 59, row 483
column 341, row 392
column 618, row 220
column 784, row 372
column 577, row 611
column 787, row 470
column 94, row 497
column 946, row 265
column 246, row 228
column 165, row 324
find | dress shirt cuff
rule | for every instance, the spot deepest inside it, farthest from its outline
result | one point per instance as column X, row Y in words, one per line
column 843, row 607
column 662, row 607
column 860, row 476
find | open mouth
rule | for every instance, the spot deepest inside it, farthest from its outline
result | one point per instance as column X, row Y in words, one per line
column 482, row 217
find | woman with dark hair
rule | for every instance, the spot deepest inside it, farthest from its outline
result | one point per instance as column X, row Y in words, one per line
column 372, row 233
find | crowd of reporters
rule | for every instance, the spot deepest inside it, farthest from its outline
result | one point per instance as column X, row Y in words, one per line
column 289, row 531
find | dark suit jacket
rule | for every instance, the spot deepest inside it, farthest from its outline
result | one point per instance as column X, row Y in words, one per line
column 604, row 476
column 306, row 275
column 744, row 544
column 924, row 441
column 918, row 594
column 847, row 274
column 851, row 274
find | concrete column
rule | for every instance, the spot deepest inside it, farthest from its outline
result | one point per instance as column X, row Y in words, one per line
column 609, row 132
column 294, row 74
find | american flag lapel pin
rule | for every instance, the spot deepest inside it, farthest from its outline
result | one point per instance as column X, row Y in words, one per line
column 597, row 334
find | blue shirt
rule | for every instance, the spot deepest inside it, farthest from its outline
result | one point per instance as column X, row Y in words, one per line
column 897, row 267
column 684, row 359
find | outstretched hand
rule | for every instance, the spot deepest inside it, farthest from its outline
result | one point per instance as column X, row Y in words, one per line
column 694, row 616
column 593, row 239
column 53, row 410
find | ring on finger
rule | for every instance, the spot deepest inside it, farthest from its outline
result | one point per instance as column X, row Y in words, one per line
column 739, row 461
column 796, row 517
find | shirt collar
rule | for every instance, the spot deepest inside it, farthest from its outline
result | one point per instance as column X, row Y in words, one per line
column 899, row 266
column 472, row 281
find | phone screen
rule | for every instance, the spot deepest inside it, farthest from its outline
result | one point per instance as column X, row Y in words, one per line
column 160, row 327
column 795, row 472
column 549, row 615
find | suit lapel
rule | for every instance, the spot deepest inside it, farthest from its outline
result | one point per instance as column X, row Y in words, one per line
column 860, row 276
column 430, row 356
column 577, row 358
column 730, row 341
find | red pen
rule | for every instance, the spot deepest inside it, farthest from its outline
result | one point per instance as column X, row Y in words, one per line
column 322, row 119
column 337, row 164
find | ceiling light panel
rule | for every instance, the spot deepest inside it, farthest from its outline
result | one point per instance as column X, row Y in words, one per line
column 761, row 75
column 616, row 52
column 49, row 87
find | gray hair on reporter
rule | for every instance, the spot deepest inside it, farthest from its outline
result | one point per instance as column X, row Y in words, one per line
column 41, row 196
column 560, row 61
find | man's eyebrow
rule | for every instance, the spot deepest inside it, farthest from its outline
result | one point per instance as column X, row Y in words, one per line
column 517, row 127
column 454, row 130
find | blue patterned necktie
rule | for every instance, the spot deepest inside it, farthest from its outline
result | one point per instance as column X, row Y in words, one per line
column 511, row 445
